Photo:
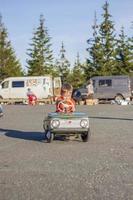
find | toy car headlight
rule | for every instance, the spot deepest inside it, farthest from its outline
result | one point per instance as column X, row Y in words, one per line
column 83, row 123
column 55, row 123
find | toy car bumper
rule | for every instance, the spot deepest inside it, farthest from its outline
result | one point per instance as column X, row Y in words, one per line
column 69, row 131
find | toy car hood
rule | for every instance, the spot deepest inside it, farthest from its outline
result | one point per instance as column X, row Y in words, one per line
column 67, row 115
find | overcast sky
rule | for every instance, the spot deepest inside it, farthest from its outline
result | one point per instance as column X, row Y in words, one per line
column 69, row 21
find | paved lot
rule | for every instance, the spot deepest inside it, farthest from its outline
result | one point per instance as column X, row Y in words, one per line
column 31, row 169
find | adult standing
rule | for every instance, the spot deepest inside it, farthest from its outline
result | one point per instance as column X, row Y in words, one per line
column 90, row 89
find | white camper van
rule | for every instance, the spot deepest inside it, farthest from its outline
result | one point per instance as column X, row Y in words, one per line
column 41, row 86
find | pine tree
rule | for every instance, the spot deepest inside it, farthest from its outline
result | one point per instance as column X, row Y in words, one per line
column 130, row 40
column 107, row 43
column 76, row 77
column 124, row 54
column 93, row 65
column 40, row 53
column 63, row 65
column 9, row 65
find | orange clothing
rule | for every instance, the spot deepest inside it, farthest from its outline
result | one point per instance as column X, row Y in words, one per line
column 65, row 105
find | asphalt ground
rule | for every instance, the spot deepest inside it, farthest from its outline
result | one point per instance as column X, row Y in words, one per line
column 101, row 169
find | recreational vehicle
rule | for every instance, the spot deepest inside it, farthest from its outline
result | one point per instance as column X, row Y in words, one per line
column 113, row 87
column 107, row 88
column 41, row 86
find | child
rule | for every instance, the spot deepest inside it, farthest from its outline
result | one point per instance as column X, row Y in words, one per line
column 64, row 103
column 32, row 99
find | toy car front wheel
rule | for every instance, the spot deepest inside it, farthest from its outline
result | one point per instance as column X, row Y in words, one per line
column 49, row 136
column 86, row 136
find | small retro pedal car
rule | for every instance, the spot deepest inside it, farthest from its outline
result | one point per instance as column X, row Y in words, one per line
column 66, row 124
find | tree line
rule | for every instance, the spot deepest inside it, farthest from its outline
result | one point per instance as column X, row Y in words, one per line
column 108, row 54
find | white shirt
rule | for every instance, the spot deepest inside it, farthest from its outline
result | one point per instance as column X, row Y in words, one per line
column 90, row 89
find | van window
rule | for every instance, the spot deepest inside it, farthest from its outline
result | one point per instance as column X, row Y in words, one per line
column 5, row 84
column 105, row 83
column 16, row 84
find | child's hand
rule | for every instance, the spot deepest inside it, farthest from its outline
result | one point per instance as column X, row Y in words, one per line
column 66, row 106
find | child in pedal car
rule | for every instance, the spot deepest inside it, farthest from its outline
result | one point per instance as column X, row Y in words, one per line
column 64, row 103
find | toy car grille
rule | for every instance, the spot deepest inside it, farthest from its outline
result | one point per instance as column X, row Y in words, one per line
column 70, row 123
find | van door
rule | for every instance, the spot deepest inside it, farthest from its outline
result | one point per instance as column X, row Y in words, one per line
column 57, row 86
column 5, row 90
column 103, row 89
column 47, row 88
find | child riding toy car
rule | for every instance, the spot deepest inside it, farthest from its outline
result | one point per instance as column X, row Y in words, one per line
column 66, row 124
column 65, row 121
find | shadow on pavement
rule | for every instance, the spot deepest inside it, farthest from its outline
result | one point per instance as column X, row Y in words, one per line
column 38, row 136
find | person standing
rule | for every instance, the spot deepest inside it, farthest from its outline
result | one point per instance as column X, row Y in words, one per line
column 90, row 89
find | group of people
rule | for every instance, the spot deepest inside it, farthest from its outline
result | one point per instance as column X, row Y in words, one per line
column 64, row 103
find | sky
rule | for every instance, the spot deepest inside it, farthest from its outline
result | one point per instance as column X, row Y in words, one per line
column 69, row 21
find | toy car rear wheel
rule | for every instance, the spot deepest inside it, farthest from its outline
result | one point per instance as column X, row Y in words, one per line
column 86, row 136
column 49, row 136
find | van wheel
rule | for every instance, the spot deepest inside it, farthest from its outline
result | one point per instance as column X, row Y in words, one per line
column 119, row 97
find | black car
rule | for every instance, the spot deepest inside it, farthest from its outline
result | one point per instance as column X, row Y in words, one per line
column 80, row 94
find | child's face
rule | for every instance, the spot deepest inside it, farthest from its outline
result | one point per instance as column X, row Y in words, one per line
column 66, row 93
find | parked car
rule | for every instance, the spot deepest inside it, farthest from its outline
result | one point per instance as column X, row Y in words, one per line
column 108, row 88
column 80, row 94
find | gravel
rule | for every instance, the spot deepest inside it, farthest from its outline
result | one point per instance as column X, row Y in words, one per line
column 101, row 169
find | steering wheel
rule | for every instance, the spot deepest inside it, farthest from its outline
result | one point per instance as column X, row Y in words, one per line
column 65, row 106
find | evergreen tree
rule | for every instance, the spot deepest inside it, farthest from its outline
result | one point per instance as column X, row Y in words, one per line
column 124, row 54
column 9, row 65
column 107, row 43
column 63, row 65
column 40, row 53
column 93, row 65
column 76, row 77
